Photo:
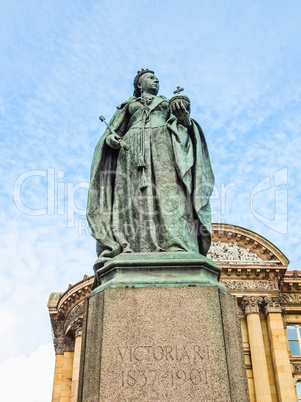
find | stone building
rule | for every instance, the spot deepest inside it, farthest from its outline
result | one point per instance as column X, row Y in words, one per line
column 269, row 303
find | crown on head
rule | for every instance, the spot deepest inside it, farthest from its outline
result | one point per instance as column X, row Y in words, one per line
column 136, row 79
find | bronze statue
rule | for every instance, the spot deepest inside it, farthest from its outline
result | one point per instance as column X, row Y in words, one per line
column 151, row 177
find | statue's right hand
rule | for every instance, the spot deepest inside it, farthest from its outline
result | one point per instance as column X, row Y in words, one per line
column 113, row 140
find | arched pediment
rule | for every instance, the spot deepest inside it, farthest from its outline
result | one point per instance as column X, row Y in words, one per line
column 234, row 243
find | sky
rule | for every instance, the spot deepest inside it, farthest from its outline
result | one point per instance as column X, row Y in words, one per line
column 64, row 63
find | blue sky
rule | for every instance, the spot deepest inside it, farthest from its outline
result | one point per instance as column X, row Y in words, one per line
column 64, row 63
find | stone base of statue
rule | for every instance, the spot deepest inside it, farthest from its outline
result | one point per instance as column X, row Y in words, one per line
column 161, row 328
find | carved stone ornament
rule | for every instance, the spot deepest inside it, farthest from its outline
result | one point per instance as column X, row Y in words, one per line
column 69, row 344
column 297, row 368
column 264, row 285
column 251, row 304
column 76, row 327
column 272, row 304
column 58, row 327
column 241, row 314
column 291, row 298
column 74, row 314
column 231, row 252
column 59, row 345
column 58, row 336
column 64, row 342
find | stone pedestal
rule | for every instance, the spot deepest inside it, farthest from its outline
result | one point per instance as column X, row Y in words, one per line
column 170, row 334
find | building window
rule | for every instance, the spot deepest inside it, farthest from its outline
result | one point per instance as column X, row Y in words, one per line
column 294, row 339
column 298, row 386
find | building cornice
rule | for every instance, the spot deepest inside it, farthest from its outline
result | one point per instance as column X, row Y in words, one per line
column 74, row 295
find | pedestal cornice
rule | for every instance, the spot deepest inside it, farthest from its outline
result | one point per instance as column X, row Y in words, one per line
column 158, row 270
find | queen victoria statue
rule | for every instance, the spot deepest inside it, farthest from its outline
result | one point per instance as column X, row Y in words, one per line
column 151, row 177
column 158, row 325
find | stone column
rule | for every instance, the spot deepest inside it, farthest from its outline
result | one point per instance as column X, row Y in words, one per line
column 77, row 330
column 56, row 390
column 66, row 377
column 280, row 357
column 259, row 364
column 67, row 368
column 57, row 379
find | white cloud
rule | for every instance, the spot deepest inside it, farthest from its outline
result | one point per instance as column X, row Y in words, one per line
column 28, row 378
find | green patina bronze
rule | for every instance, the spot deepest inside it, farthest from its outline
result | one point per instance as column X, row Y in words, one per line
column 151, row 177
column 158, row 270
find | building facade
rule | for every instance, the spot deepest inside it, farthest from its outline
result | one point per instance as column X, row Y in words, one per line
column 269, row 303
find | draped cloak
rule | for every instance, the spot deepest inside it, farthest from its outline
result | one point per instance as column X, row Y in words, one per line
column 192, row 165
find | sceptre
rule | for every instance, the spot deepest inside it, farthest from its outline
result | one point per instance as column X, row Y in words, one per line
column 121, row 142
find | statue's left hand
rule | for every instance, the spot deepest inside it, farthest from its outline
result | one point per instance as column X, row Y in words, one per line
column 181, row 113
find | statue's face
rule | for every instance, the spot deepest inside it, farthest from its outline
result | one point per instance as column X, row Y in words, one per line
column 149, row 83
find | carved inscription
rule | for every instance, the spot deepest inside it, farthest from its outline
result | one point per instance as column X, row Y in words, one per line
column 170, row 377
column 190, row 353
column 168, row 365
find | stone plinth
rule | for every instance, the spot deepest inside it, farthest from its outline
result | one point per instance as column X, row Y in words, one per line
column 158, row 269
column 159, row 342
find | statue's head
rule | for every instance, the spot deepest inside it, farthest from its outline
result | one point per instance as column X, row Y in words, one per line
column 145, row 77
